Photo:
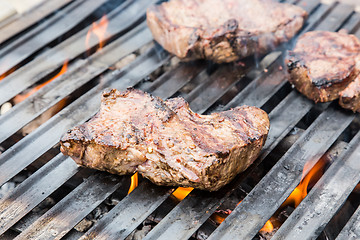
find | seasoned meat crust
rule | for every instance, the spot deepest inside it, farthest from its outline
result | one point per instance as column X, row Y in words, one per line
column 223, row 30
column 166, row 142
column 325, row 66
column 350, row 96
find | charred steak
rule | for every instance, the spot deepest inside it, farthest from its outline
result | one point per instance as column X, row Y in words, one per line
column 223, row 30
column 324, row 66
column 166, row 142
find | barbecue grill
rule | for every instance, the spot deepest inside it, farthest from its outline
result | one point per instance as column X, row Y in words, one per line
column 40, row 42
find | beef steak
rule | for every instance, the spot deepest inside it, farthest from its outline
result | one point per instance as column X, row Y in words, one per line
column 350, row 96
column 166, row 142
column 324, row 66
column 223, row 30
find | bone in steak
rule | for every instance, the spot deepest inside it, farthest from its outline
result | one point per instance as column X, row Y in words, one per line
column 325, row 66
column 223, row 30
column 166, row 142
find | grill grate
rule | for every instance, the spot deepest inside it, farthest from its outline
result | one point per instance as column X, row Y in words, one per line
column 207, row 89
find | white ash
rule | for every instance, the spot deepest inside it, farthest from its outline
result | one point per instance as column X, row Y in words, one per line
column 5, row 107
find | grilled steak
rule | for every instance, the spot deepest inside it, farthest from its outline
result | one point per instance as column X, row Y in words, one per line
column 166, row 142
column 350, row 96
column 223, row 30
column 322, row 65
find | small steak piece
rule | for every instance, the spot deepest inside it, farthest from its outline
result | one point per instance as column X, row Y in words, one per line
column 223, row 30
column 322, row 64
column 166, row 142
column 350, row 96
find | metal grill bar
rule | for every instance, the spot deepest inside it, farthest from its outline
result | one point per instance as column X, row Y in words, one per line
column 76, row 77
column 319, row 14
column 222, row 84
column 60, row 219
column 170, row 82
column 19, row 23
column 351, row 231
column 21, row 48
column 74, row 46
column 261, row 89
column 130, row 212
column 337, row 18
column 329, row 194
column 34, row 190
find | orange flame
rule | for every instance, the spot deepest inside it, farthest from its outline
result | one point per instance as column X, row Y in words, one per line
column 99, row 30
column 21, row 97
column 301, row 190
column 268, row 227
column 181, row 192
column 134, row 182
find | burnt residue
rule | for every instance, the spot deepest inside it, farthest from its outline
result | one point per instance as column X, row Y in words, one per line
column 292, row 64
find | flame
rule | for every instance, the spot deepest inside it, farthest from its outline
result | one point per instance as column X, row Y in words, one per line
column 181, row 192
column 21, row 97
column 99, row 30
column 301, row 190
column 134, row 182
column 268, row 227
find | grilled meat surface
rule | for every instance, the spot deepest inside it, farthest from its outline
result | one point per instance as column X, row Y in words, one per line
column 324, row 65
column 350, row 96
column 166, row 142
column 223, row 30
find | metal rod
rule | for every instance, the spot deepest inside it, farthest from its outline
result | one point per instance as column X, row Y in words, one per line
column 77, row 76
column 68, row 50
column 35, row 189
column 309, row 218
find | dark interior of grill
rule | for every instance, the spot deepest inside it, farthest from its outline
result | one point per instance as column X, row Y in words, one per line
column 45, row 195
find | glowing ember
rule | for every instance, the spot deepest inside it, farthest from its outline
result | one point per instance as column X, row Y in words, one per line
column 99, row 30
column 301, row 190
column 181, row 192
column 220, row 216
column 21, row 97
column 217, row 218
column 357, row 188
column 2, row 76
column 134, row 182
